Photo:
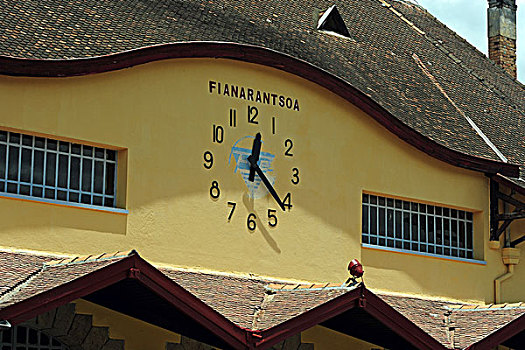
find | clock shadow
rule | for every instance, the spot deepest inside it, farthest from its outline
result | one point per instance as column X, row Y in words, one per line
column 248, row 203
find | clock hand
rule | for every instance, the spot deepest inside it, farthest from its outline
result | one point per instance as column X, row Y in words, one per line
column 254, row 168
column 256, row 150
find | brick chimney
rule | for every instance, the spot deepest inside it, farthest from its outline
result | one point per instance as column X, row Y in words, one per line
column 502, row 34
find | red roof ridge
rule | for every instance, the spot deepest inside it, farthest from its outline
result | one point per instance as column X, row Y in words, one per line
column 90, row 258
column 454, row 303
column 487, row 307
column 233, row 274
column 9, row 250
column 307, row 286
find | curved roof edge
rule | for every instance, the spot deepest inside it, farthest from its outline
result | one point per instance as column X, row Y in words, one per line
column 259, row 55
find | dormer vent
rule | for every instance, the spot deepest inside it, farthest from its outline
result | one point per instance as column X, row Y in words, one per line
column 332, row 22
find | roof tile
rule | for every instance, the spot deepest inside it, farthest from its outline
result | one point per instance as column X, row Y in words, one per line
column 238, row 297
column 378, row 61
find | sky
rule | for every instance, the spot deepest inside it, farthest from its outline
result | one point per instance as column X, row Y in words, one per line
column 468, row 18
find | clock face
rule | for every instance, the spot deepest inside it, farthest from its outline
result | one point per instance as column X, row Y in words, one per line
column 260, row 162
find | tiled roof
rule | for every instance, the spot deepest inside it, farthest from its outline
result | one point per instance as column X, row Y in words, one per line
column 398, row 54
column 476, row 324
column 24, row 276
column 285, row 304
column 258, row 303
column 455, row 325
column 16, row 267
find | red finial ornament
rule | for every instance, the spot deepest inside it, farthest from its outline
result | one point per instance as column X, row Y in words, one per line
column 355, row 268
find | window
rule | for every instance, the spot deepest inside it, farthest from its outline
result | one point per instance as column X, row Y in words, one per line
column 57, row 170
column 332, row 22
column 400, row 224
column 19, row 337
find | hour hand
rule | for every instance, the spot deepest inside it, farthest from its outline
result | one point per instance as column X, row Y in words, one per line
column 254, row 157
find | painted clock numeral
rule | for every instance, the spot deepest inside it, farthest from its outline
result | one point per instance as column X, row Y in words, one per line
column 289, row 144
column 208, row 160
column 272, row 218
column 287, row 201
column 253, row 112
column 215, row 192
column 295, row 176
column 273, row 125
column 233, row 205
column 233, row 117
column 250, row 222
column 218, row 134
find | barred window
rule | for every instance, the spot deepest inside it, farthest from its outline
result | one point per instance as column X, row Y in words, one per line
column 19, row 337
column 57, row 170
column 400, row 224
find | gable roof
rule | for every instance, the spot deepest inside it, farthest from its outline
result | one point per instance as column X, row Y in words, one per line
column 417, row 70
column 237, row 311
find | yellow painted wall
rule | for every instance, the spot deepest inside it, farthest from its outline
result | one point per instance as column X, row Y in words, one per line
column 162, row 114
column 327, row 339
column 137, row 335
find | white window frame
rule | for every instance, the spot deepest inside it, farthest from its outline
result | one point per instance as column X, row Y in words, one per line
column 52, row 191
column 384, row 224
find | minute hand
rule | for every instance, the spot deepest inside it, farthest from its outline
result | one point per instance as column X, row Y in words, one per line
column 267, row 184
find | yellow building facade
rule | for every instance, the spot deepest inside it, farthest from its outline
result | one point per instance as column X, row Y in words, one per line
column 205, row 194
column 162, row 120
column 164, row 207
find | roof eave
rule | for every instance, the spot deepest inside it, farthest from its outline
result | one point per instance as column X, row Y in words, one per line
column 259, row 55
column 132, row 267
column 500, row 336
column 360, row 297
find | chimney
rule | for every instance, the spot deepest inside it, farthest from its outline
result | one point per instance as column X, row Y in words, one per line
column 502, row 34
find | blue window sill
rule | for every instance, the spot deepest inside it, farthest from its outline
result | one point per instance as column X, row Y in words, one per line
column 64, row 203
column 411, row 252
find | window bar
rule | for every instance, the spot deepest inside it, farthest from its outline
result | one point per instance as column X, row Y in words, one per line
column 377, row 221
column 104, row 164
column 7, row 160
column 409, row 228
column 81, row 160
column 439, row 218
column 450, row 232
column 402, row 227
column 92, row 192
column 115, row 174
column 394, row 222
column 369, row 231
column 465, row 235
column 19, row 165
column 418, row 233
column 7, row 153
column 69, row 171
column 44, row 166
column 412, row 229
column 425, row 217
column 442, row 232
column 56, row 170
column 457, row 234
column 435, row 230
column 32, row 165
